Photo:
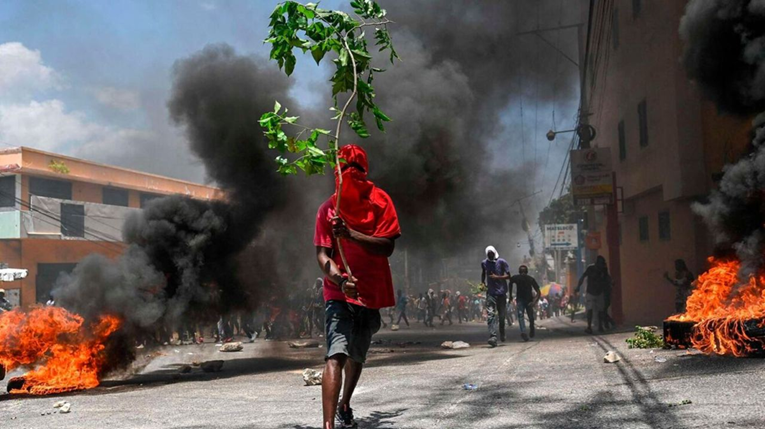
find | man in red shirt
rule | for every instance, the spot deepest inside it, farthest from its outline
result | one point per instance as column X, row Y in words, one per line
column 368, row 226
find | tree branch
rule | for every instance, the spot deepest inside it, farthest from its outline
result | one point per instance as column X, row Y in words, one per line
column 337, row 149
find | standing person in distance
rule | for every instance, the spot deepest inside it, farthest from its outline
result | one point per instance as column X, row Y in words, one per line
column 494, row 273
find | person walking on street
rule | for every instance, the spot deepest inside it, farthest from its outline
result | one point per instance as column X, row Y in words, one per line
column 432, row 305
column 367, row 225
column 494, row 272
column 598, row 280
column 446, row 306
column 422, row 306
column 462, row 303
column 527, row 295
column 401, row 304
column 683, row 283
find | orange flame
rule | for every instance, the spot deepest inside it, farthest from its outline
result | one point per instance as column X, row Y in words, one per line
column 724, row 308
column 65, row 354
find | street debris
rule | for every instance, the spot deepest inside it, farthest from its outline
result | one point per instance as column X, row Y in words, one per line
column 645, row 338
column 689, row 353
column 683, row 402
column 65, row 408
column 660, row 359
column 312, row 377
column 59, row 404
column 611, row 357
column 469, row 386
column 394, row 327
column 381, row 351
column 309, row 344
column 212, row 366
column 454, row 345
column 232, row 347
column 408, row 343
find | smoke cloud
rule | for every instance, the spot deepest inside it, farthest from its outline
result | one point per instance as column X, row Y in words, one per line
column 725, row 54
column 183, row 255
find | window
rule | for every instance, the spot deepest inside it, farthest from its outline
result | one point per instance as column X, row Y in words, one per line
column 72, row 220
column 622, row 142
column 643, row 121
column 636, row 6
column 50, row 188
column 643, row 228
column 8, row 191
column 145, row 198
column 615, row 28
column 665, row 232
column 115, row 196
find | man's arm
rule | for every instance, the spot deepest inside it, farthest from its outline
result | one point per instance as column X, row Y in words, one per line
column 535, row 285
column 376, row 245
column 483, row 275
column 581, row 280
column 331, row 270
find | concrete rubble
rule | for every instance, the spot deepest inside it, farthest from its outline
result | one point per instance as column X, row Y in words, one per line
column 312, row 377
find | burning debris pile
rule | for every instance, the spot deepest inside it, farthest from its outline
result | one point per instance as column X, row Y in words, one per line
column 725, row 46
column 72, row 349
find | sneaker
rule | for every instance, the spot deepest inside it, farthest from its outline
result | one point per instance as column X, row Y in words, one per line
column 345, row 418
column 532, row 332
column 502, row 338
column 524, row 336
column 493, row 343
column 588, row 330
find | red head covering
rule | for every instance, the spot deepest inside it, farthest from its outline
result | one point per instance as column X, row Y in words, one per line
column 363, row 206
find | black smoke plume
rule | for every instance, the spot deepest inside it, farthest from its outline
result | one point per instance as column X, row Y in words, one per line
column 725, row 54
column 183, row 258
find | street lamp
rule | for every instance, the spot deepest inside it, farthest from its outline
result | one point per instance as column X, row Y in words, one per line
column 585, row 132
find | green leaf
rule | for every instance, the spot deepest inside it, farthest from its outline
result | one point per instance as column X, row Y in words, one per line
column 289, row 65
column 318, row 53
column 291, row 119
column 314, row 151
column 277, row 107
column 380, row 115
column 360, row 128
column 322, row 131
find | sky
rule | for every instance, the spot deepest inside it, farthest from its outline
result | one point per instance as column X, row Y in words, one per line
column 91, row 79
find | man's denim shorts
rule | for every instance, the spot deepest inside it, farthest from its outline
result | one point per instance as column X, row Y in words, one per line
column 350, row 328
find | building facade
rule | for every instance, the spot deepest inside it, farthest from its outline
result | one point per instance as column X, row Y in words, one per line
column 668, row 146
column 55, row 210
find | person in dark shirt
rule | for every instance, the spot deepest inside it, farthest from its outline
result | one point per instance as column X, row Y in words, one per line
column 527, row 295
column 494, row 273
column 598, row 285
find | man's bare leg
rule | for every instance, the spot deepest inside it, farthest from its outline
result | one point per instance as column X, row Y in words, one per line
column 352, row 375
column 331, row 381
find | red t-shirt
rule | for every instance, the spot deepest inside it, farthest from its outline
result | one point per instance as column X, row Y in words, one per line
column 375, row 283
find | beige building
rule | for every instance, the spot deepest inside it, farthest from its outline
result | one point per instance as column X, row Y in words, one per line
column 667, row 143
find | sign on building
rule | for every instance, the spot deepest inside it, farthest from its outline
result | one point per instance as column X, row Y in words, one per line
column 591, row 176
column 561, row 236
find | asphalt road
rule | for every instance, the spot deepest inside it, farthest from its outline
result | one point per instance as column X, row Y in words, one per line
column 557, row 381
